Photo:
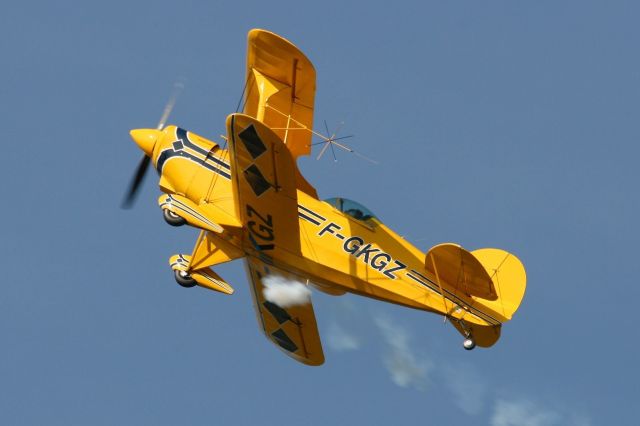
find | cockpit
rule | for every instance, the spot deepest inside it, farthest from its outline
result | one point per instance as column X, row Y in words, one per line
column 353, row 209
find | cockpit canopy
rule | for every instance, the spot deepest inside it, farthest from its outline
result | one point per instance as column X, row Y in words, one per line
column 350, row 207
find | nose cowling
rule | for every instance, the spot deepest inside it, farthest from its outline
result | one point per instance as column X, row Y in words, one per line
column 146, row 139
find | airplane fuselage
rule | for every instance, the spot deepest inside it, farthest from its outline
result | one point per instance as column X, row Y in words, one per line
column 338, row 253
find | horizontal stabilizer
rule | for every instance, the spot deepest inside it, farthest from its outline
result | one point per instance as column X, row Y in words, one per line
column 457, row 268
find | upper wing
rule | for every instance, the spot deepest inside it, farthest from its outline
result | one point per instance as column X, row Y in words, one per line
column 293, row 329
column 280, row 89
column 263, row 181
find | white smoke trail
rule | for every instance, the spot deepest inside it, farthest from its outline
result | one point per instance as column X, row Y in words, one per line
column 468, row 387
column 523, row 413
column 285, row 292
column 405, row 368
column 348, row 327
column 341, row 340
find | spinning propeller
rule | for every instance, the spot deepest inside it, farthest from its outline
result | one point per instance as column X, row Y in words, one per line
column 146, row 138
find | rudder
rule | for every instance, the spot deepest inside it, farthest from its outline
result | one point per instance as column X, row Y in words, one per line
column 508, row 276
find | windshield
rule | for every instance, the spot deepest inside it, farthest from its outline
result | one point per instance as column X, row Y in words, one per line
column 350, row 207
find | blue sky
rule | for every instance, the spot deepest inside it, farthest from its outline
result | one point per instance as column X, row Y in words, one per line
column 497, row 123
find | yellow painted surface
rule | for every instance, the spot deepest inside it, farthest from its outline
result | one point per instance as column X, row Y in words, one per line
column 211, row 250
column 293, row 329
column 209, row 279
column 280, row 89
column 265, row 210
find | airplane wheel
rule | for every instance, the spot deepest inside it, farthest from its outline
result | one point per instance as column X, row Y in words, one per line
column 469, row 344
column 172, row 219
column 184, row 279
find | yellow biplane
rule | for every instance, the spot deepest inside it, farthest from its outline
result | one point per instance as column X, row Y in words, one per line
column 250, row 201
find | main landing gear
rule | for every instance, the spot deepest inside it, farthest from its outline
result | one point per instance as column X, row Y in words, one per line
column 469, row 343
column 172, row 219
column 184, row 279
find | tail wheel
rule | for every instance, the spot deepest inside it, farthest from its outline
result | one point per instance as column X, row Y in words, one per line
column 184, row 279
column 172, row 219
column 469, row 343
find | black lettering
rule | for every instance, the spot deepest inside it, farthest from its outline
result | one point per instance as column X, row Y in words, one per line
column 353, row 247
column 380, row 265
column 260, row 247
column 366, row 250
column 328, row 229
column 389, row 272
column 264, row 232
column 251, row 212
column 262, row 229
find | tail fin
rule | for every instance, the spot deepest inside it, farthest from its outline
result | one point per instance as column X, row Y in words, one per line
column 508, row 281
column 508, row 276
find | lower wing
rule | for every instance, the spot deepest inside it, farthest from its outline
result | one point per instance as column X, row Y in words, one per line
column 293, row 329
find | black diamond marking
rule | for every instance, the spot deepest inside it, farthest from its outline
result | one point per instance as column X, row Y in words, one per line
column 252, row 141
column 178, row 145
column 278, row 313
column 257, row 182
column 284, row 341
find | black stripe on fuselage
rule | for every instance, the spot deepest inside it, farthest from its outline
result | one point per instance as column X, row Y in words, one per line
column 308, row 219
column 183, row 135
column 427, row 282
column 311, row 212
column 170, row 153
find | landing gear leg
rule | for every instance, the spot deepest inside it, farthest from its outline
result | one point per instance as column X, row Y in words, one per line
column 468, row 342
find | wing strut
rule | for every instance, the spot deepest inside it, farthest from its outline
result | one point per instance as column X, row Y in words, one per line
column 444, row 300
